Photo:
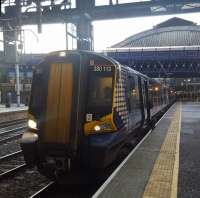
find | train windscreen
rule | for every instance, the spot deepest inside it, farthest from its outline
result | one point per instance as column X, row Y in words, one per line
column 100, row 91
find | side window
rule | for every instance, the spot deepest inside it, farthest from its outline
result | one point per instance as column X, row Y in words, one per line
column 154, row 93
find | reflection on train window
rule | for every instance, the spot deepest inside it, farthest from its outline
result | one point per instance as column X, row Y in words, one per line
column 155, row 91
column 133, row 94
column 100, row 95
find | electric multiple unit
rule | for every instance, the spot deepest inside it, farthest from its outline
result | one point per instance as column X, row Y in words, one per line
column 84, row 108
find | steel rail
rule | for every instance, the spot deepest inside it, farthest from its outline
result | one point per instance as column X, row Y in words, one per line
column 43, row 190
column 12, row 171
column 12, row 122
column 10, row 138
column 13, row 136
column 8, row 156
column 13, row 130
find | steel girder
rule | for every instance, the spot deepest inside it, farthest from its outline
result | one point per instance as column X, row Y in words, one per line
column 165, row 64
column 49, row 12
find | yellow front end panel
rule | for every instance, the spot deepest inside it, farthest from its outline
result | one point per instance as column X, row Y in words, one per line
column 105, row 124
column 59, row 99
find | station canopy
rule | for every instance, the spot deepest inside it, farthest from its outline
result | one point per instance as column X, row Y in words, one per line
column 170, row 49
column 173, row 32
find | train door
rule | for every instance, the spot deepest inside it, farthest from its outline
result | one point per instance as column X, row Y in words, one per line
column 133, row 101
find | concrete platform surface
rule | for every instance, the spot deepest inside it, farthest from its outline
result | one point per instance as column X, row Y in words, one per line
column 13, row 107
column 165, row 164
column 189, row 165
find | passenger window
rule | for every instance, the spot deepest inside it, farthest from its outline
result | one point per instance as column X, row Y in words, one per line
column 154, row 93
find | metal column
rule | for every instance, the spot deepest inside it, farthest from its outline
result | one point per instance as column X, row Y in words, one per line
column 84, row 24
column 11, row 41
column 85, row 33
column 17, row 84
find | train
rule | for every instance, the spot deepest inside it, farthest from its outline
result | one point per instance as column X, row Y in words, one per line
column 84, row 109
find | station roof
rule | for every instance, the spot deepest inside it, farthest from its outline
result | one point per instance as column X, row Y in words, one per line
column 173, row 32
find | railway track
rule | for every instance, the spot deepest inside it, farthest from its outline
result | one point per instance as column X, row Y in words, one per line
column 15, row 175
column 9, row 139
column 12, row 122
column 53, row 189
column 10, row 164
column 22, row 182
column 11, row 132
column 42, row 192
column 12, row 137
column 5, row 157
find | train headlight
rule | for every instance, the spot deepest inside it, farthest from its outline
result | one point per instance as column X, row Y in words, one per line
column 32, row 124
column 107, row 126
column 97, row 128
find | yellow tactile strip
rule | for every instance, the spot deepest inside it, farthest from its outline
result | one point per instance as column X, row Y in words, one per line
column 163, row 180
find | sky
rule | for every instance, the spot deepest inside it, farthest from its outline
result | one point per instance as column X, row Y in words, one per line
column 106, row 33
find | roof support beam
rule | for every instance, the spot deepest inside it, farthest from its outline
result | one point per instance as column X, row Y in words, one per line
column 111, row 11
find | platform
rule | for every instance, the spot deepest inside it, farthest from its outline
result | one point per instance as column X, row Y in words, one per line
column 13, row 113
column 13, row 108
column 165, row 164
